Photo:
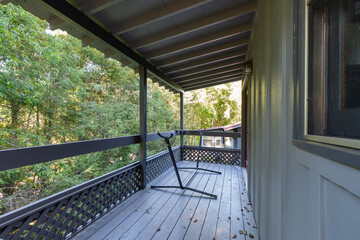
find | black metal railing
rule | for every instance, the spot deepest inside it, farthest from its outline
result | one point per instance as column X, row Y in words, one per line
column 64, row 214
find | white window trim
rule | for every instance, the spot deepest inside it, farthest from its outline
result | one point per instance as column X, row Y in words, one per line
column 344, row 142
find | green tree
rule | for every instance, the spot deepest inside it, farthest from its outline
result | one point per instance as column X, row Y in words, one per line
column 211, row 107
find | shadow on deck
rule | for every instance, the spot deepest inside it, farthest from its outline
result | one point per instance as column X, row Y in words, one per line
column 177, row 214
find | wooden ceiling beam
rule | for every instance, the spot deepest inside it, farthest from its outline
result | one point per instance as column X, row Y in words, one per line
column 213, row 37
column 195, row 25
column 156, row 15
column 211, row 67
column 215, row 72
column 206, row 61
column 213, row 83
column 95, row 6
column 207, row 80
column 203, row 52
column 216, row 75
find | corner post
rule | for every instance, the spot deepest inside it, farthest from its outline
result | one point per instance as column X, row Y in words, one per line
column 143, row 122
column 243, row 138
column 182, row 125
column 248, row 69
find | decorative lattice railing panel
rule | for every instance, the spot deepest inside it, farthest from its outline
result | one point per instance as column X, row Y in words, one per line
column 213, row 155
column 159, row 163
column 62, row 215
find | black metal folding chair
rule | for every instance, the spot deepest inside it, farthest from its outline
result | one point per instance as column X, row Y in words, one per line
column 181, row 185
column 198, row 157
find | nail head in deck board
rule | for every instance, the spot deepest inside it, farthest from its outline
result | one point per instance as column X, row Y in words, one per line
column 146, row 224
column 152, row 227
column 236, row 224
column 194, row 228
column 131, row 219
column 144, row 220
column 209, row 227
column 167, row 225
column 96, row 230
column 224, row 217
column 187, row 216
column 249, row 216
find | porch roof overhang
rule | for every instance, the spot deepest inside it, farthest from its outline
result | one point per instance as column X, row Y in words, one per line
column 185, row 44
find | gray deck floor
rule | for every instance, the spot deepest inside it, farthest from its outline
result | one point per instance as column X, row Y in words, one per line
column 177, row 214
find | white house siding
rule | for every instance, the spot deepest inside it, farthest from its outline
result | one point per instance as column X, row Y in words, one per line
column 295, row 194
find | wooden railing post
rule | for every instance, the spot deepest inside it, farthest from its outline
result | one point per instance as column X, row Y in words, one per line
column 182, row 125
column 143, row 121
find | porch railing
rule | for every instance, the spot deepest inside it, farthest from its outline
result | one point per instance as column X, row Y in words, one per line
column 213, row 155
column 64, row 214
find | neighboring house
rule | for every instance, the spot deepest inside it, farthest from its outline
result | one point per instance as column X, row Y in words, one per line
column 223, row 142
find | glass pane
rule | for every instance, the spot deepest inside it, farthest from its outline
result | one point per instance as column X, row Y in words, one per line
column 334, row 69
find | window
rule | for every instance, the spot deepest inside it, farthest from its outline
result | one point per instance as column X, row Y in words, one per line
column 333, row 72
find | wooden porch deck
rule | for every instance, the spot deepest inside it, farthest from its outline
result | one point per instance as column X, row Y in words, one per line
column 177, row 214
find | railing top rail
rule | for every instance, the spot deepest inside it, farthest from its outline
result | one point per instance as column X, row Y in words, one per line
column 20, row 157
column 212, row 133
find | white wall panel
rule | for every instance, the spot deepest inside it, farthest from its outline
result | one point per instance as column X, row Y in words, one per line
column 296, row 195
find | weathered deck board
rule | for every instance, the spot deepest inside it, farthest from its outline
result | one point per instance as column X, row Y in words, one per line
column 209, row 227
column 169, row 223
column 187, row 216
column 223, row 224
column 248, row 216
column 194, row 229
column 237, row 221
column 119, row 213
column 177, row 214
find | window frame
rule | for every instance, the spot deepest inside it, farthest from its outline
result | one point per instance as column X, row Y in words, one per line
column 346, row 151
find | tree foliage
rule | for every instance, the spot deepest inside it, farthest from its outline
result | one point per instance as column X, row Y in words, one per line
column 211, row 107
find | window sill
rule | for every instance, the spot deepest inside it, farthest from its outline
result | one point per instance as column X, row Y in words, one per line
column 348, row 156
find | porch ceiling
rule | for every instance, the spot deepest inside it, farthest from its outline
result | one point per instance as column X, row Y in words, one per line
column 186, row 44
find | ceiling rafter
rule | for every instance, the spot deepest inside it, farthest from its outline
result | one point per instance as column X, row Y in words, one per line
column 203, row 52
column 227, row 63
column 95, row 6
column 199, row 61
column 213, row 37
column 206, row 61
column 214, row 83
column 213, row 79
column 195, row 25
column 210, row 76
column 156, row 15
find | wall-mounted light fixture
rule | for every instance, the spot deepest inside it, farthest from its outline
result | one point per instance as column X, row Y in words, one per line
column 248, row 67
